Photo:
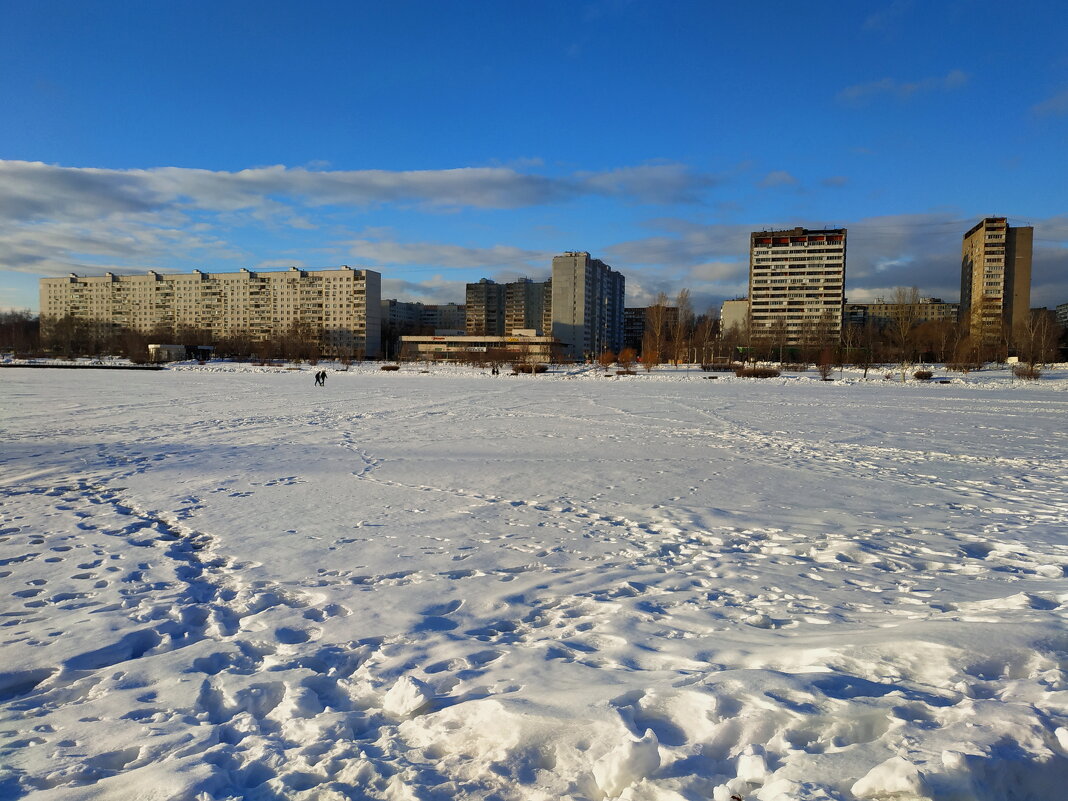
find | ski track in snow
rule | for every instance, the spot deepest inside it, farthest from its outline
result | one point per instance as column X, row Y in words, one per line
column 850, row 598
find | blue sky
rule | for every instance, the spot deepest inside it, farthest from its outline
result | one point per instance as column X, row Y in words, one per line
column 443, row 142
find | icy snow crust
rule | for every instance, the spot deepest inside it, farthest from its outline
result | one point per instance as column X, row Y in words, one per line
column 224, row 583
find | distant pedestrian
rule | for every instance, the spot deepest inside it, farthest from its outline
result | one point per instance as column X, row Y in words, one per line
column 322, row 378
column 319, row 378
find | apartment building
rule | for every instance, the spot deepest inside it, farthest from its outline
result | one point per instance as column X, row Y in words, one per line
column 1062, row 314
column 734, row 314
column 636, row 321
column 444, row 316
column 797, row 282
column 485, row 309
column 341, row 306
column 528, row 305
column 995, row 278
column 587, row 305
column 498, row 309
column 634, row 327
column 882, row 312
column 411, row 316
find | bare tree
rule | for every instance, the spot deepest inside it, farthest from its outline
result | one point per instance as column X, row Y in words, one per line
column 905, row 302
column 1037, row 338
column 606, row 359
column 650, row 352
column 704, row 336
column 681, row 327
column 655, row 331
column 19, row 331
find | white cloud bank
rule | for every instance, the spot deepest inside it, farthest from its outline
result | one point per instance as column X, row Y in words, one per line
column 56, row 219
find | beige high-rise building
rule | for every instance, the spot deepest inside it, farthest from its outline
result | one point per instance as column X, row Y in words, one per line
column 340, row 307
column 797, row 283
column 587, row 305
column 528, row 305
column 484, row 314
column 995, row 278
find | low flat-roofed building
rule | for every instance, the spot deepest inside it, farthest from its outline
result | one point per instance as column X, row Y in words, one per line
column 519, row 346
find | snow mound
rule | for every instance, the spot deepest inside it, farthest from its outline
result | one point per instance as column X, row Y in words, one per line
column 895, row 778
column 407, row 697
column 627, row 764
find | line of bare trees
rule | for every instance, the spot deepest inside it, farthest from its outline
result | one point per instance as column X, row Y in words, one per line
column 674, row 334
column 71, row 336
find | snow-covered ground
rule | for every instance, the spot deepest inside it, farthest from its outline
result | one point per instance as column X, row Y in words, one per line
column 224, row 582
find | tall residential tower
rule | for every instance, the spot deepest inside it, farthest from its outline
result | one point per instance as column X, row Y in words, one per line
column 797, row 283
column 995, row 278
column 587, row 305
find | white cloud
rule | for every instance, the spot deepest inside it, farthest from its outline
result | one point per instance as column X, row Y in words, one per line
column 1055, row 106
column 273, row 264
column 778, row 178
column 433, row 290
column 32, row 190
column 446, row 256
column 650, row 183
column 888, row 16
column 56, row 219
column 903, row 90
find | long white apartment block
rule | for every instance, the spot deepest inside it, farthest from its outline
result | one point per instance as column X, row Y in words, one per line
column 797, row 282
column 340, row 306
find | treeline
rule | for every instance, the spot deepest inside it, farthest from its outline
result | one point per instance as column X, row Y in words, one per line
column 674, row 334
column 70, row 336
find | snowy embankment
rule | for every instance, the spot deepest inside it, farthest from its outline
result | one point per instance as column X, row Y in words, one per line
column 451, row 585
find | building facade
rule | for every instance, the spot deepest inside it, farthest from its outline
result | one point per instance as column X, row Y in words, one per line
column 797, row 283
column 1062, row 315
column 444, row 316
column 523, row 346
column 485, row 309
column 528, row 305
column 341, row 308
column 587, row 305
column 881, row 313
column 995, row 278
column 412, row 317
column 633, row 327
column 734, row 314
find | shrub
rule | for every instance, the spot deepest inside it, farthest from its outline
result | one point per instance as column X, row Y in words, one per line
column 963, row 367
column 720, row 367
column 756, row 372
column 923, row 375
column 529, row 368
column 795, row 367
column 1026, row 371
column 389, row 367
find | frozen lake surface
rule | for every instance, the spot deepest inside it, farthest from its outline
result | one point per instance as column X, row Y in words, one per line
column 228, row 583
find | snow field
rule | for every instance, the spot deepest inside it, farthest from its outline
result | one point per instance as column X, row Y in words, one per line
column 236, row 585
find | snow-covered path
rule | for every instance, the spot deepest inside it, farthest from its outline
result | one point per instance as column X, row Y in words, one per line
column 234, row 584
